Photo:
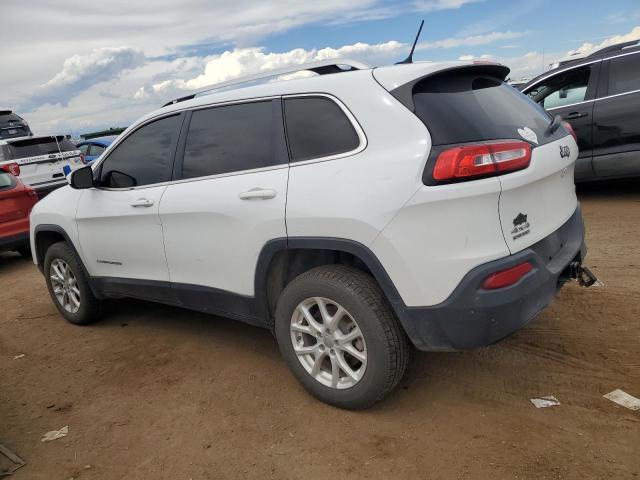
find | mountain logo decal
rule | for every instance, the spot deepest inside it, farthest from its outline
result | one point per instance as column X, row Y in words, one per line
column 521, row 226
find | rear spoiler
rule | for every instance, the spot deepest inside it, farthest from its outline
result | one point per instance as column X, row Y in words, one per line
column 35, row 140
column 404, row 93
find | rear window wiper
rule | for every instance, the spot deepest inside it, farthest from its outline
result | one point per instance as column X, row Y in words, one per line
column 554, row 125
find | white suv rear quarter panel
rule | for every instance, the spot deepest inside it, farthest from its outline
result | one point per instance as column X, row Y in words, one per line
column 438, row 236
column 354, row 197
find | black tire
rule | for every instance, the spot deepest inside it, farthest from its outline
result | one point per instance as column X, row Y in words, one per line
column 386, row 343
column 89, row 308
column 24, row 251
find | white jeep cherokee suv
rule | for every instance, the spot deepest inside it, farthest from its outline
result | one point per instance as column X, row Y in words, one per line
column 355, row 213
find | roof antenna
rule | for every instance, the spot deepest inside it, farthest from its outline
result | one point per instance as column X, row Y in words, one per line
column 409, row 59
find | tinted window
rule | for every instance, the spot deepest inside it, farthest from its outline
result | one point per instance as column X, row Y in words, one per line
column 7, row 181
column 33, row 147
column 624, row 74
column 317, row 127
column 144, row 157
column 67, row 145
column 464, row 107
column 562, row 89
column 231, row 138
column 84, row 148
column 96, row 150
column 9, row 117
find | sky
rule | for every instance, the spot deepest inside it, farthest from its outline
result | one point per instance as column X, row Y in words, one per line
column 71, row 66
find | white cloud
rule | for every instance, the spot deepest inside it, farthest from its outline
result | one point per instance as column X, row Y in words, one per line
column 246, row 61
column 473, row 40
column 587, row 47
column 474, row 57
column 534, row 63
column 79, row 72
column 623, row 17
column 434, row 5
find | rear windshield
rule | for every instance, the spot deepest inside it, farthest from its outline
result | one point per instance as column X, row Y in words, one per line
column 33, row 147
column 461, row 107
column 6, row 117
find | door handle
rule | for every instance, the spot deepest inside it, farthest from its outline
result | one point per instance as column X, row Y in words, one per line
column 574, row 115
column 258, row 194
column 142, row 202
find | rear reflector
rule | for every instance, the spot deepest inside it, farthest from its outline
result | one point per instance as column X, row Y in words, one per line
column 505, row 278
column 485, row 159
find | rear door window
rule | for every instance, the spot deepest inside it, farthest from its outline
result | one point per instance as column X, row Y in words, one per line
column 143, row 158
column 233, row 138
column 317, row 127
column 624, row 74
column 461, row 107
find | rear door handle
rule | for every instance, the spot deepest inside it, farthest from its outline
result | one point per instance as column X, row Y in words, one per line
column 258, row 194
column 574, row 115
column 142, row 202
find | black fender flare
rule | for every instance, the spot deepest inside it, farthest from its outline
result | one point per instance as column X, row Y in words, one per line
column 352, row 247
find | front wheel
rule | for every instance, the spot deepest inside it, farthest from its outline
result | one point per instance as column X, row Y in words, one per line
column 339, row 336
column 68, row 285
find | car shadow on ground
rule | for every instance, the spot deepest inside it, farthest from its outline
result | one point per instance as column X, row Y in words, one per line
column 627, row 188
column 10, row 260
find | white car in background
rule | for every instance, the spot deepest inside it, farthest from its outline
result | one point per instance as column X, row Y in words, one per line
column 43, row 161
column 354, row 213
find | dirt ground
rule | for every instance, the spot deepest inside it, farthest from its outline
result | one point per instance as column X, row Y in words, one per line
column 154, row 392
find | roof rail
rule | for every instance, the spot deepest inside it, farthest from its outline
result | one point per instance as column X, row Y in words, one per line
column 322, row 67
column 615, row 48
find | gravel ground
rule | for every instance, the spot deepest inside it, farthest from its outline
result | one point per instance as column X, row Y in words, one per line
column 157, row 392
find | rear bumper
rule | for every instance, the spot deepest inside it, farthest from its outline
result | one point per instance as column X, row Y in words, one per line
column 473, row 317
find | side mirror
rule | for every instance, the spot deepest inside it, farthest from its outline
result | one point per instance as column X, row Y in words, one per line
column 81, row 178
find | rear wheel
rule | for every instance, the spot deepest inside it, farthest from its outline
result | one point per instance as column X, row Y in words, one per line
column 339, row 336
column 68, row 285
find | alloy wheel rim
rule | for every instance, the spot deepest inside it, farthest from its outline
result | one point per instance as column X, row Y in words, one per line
column 328, row 343
column 65, row 285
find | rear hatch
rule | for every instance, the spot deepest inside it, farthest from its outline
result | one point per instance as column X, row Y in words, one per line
column 471, row 106
column 11, row 125
column 42, row 160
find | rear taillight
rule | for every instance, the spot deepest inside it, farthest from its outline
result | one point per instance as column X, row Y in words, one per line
column 505, row 278
column 481, row 160
column 12, row 168
column 570, row 129
column 82, row 159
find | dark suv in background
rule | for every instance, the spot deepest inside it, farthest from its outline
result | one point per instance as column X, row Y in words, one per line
column 12, row 125
column 600, row 96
